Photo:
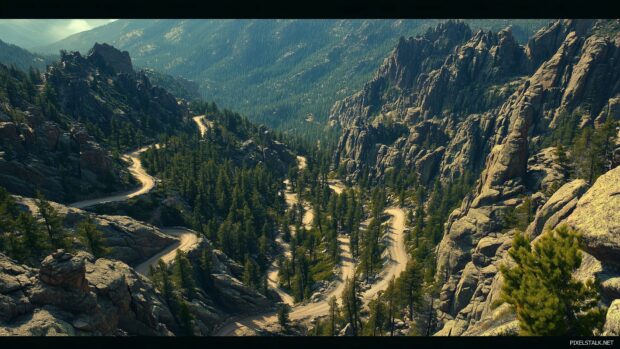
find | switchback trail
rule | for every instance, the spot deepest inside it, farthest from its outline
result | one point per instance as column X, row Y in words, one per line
column 397, row 263
column 186, row 238
column 300, row 311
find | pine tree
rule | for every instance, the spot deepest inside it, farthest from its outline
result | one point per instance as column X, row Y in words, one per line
column 547, row 299
column 251, row 275
column 562, row 159
column 334, row 315
column 164, row 282
column 410, row 285
column 377, row 318
column 185, row 318
column 33, row 239
column 92, row 238
column 283, row 314
column 390, row 297
column 206, row 270
column 53, row 223
column 352, row 304
column 184, row 274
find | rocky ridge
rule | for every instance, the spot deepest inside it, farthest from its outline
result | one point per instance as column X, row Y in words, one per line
column 56, row 128
column 438, row 106
column 77, row 294
column 485, row 108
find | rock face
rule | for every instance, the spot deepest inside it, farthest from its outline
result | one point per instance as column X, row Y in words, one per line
column 590, row 210
column 480, row 103
column 111, row 58
column 455, row 94
column 33, row 151
column 612, row 320
column 76, row 295
column 597, row 216
column 559, row 206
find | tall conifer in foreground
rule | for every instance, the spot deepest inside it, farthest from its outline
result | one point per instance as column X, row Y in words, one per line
column 547, row 299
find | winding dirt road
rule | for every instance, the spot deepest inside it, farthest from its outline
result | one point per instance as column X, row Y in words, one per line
column 146, row 183
column 300, row 312
column 272, row 273
column 202, row 123
column 187, row 239
column 396, row 251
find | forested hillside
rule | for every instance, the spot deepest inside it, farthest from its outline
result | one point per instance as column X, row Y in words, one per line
column 63, row 127
column 225, row 184
column 20, row 58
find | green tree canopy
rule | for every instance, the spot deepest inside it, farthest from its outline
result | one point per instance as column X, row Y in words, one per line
column 547, row 298
column 92, row 238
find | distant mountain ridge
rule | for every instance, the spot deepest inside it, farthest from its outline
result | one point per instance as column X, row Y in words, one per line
column 274, row 71
column 21, row 58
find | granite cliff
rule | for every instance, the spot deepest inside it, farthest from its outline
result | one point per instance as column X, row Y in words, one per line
column 452, row 102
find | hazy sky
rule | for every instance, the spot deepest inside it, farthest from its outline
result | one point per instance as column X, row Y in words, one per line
column 31, row 33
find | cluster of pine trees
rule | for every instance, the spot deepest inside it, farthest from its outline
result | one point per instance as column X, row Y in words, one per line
column 585, row 152
column 403, row 299
column 315, row 251
column 181, row 282
column 28, row 238
column 367, row 246
column 236, row 204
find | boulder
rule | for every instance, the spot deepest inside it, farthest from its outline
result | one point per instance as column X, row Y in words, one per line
column 597, row 217
column 612, row 320
column 559, row 206
column 75, row 294
column 64, row 270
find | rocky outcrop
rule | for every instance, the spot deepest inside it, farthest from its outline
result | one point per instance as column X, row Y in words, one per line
column 597, row 216
column 559, row 206
column 483, row 105
column 592, row 211
column 130, row 241
column 32, row 153
column 471, row 87
column 546, row 41
column 612, row 320
column 78, row 295
column 107, row 56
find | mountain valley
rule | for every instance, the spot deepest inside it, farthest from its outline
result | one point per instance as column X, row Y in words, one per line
column 457, row 181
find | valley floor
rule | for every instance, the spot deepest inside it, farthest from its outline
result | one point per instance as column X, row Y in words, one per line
column 188, row 239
